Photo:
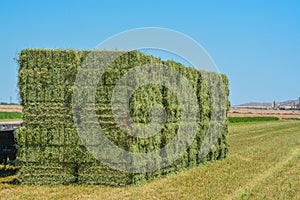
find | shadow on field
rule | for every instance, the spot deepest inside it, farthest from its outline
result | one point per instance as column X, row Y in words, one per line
column 8, row 174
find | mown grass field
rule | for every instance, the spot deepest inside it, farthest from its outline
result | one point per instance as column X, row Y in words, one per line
column 264, row 163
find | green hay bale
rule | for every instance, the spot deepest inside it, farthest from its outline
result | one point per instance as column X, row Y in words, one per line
column 52, row 174
column 48, row 142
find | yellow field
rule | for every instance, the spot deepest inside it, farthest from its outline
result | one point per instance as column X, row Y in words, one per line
column 263, row 163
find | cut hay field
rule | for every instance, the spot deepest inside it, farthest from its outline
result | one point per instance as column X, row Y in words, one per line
column 11, row 108
column 10, row 113
column 263, row 163
column 281, row 114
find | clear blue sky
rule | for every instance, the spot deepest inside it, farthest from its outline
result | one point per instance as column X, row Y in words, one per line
column 256, row 43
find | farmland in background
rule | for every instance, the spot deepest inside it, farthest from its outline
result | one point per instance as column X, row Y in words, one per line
column 10, row 108
column 282, row 114
column 10, row 116
column 263, row 163
column 10, row 113
column 251, row 119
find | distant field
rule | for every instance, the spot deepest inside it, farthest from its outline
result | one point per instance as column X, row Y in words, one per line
column 251, row 119
column 10, row 108
column 281, row 114
column 263, row 163
column 8, row 116
column 10, row 112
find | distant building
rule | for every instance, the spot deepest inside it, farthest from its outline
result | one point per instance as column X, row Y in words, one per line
column 287, row 107
column 274, row 105
column 298, row 105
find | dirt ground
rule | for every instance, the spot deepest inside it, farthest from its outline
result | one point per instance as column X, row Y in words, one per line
column 282, row 114
column 10, row 108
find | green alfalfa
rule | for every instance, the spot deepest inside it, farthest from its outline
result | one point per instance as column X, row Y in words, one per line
column 61, row 67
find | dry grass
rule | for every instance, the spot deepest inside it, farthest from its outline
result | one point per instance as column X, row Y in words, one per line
column 264, row 163
column 282, row 114
column 11, row 108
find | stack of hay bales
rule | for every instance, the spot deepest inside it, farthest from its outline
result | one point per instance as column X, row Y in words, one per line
column 50, row 152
